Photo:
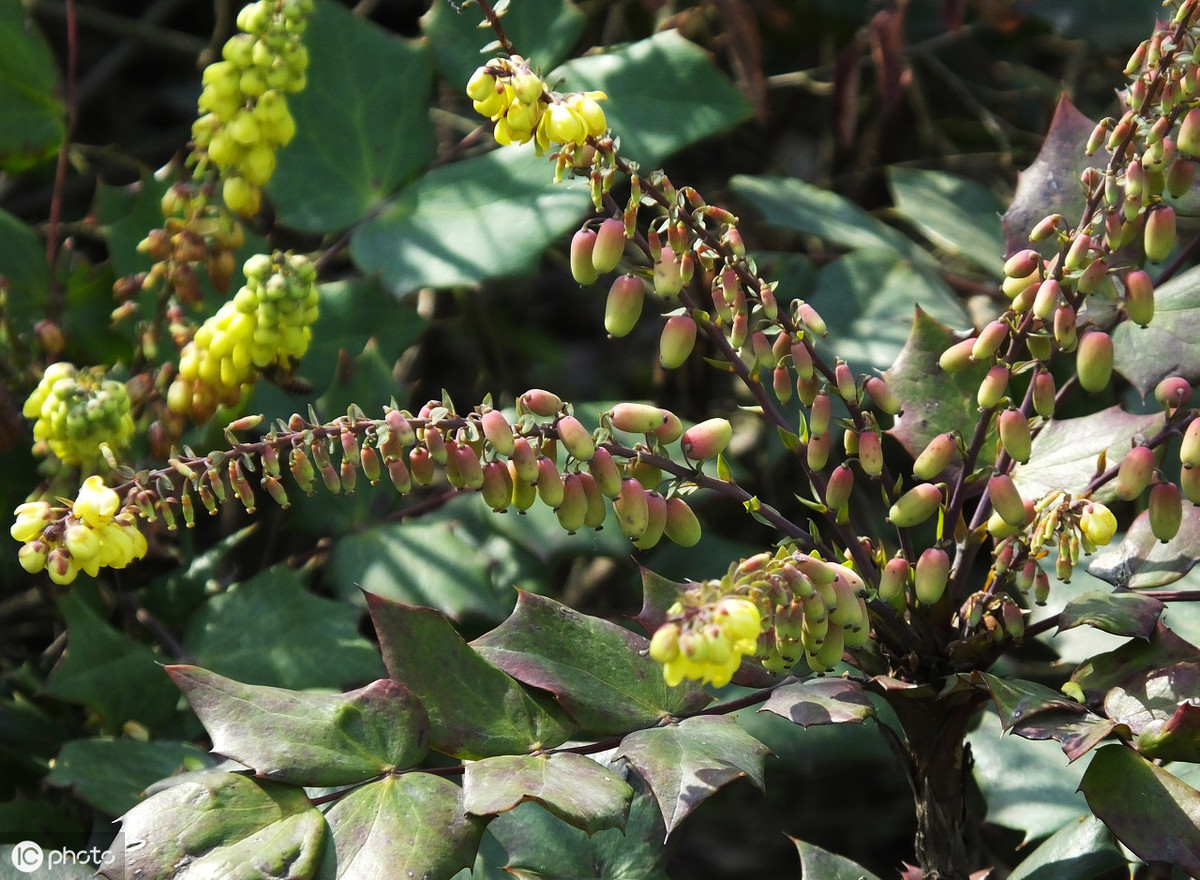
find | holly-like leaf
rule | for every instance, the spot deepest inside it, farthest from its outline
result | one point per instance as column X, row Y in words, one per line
column 658, row 595
column 821, row 701
column 691, row 99
column 1167, row 345
column 1141, row 561
column 1152, row 696
column 113, row 774
column 32, row 114
column 107, row 671
column 406, row 825
column 934, row 402
column 1099, row 674
column 601, row 673
column 423, row 651
column 686, row 763
column 1122, row 614
column 1174, row 739
column 306, row 738
column 1051, row 184
column 1016, row 699
column 1080, row 850
column 1150, row 810
column 489, row 216
column 958, row 215
column 540, row 845
column 384, row 135
column 1077, row 732
column 573, row 787
column 270, row 630
column 821, row 864
column 1065, row 451
column 223, row 825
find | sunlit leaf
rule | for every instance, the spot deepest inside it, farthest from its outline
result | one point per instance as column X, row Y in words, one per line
column 1102, row 672
column 1142, row 561
column 821, row 701
column 956, row 214
column 1016, row 699
column 1080, row 850
column 1167, row 345
column 1122, row 614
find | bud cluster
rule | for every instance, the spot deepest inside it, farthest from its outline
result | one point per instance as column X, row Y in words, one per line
column 267, row 324
column 244, row 105
column 523, row 108
column 94, row 532
column 78, row 410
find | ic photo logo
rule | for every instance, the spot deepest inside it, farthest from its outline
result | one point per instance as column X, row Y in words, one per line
column 27, row 856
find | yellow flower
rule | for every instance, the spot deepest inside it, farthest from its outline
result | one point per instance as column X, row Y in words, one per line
column 1097, row 523
column 31, row 519
column 95, row 504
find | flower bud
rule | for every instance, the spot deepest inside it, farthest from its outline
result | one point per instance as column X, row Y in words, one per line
column 893, row 579
column 1166, row 511
column 989, row 340
column 605, row 472
column 1160, row 233
column 540, row 402
column 677, row 340
column 664, row 644
column 1135, row 472
column 1173, row 392
column 1189, row 483
column 421, row 465
column 1090, row 278
column 808, row 316
column 682, row 525
column 656, row 521
column 1022, row 264
column 549, row 483
column 497, row 486
column 631, row 508
column 1014, row 434
column 870, row 453
column 647, row 474
column 1180, row 177
column 624, row 305
column 932, row 575
column 1094, row 360
column 582, row 244
column 820, row 413
column 706, row 439
column 667, row 279
column 993, row 387
column 1097, row 523
column 596, row 511
column 1064, row 328
column 781, row 384
column 573, row 508
column 915, row 506
column 817, row 451
column 935, row 457
column 1043, row 394
column 399, row 475
column 1047, row 299
column 609, row 245
column 957, row 357
column 636, row 418
column 1006, row 499
column 841, row 484
column 576, row 439
column 1188, row 139
column 844, row 380
column 1189, row 447
column 882, row 396
column 1078, row 252
column 1139, row 297
column 1045, row 228
column 497, row 431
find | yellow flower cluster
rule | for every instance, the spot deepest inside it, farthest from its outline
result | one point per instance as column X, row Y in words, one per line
column 708, row 647
column 516, row 99
column 76, row 411
column 268, row 323
column 93, row 533
column 245, row 114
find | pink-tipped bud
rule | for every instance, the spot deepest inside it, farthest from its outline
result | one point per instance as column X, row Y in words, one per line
column 540, row 402
column 989, row 340
column 993, row 387
column 882, row 396
column 631, row 508
column 1166, row 511
column 525, row 461
column 677, row 341
column 596, row 511
column 636, row 418
column 935, row 457
column 1173, row 392
column 667, row 280
column 841, row 484
column 1189, row 483
column 957, row 357
column 817, row 451
column 781, row 384
column 893, row 579
column 1135, row 472
column 497, row 431
column 609, row 245
column 1014, row 434
column 1045, row 228
column 572, row 510
column 820, row 414
column 575, row 438
column 670, row 430
column 1094, row 360
column 1064, row 328
column 1022, row 264
column 932, row 575
column 421, row 465
column 1043, row 394
column 1180, row 177
column 1090, row 278
column 1189, row 447
column 682, row 526
column 1048, row 298
column 802, row 360
column 1188, row 140
column 1078, row 253
column 582, row 244
column 915, row 506
column 656, row 522
column 605, row 472
column 706, row 439
column 1006, row 499
column 497, row 486
column 808, row 316
column 1139, row 297
column 624, row 305
column 870, row 453
column 844, row 381
column 1160, row 233
column 549, row 483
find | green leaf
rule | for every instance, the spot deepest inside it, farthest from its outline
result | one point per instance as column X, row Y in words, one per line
column 1077, row 732
column 934, row 401
column 1151, row 697
column 686, row 763
column 1080, row 850
column 690, row 101
column 821, row 701
column 573, row 787
column 1166, row 346
column 23, row 266
column 820, row 864
column 362, row 128
column 658, row 595
column 958, row 215
column 423, row 651
column 306, row 738
column 410, row 825
column 113, row 774
column 792, row 204
column 489, row 216
column 1176, row 738
column 1122, row 614
column 224, row 825
column 1102, row 672
column 1028, row 786
column 541, row 846
column 269, row 630
column 546, row 31
column 601, row 673
column 32, row 116
column 1065, row 451
column 1016, row 699
column 1149, row 810
column 868, row 299
column 107, row 671
column 1141, row 561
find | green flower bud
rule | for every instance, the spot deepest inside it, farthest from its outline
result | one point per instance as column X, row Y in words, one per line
column 497, row 486
column 1064, row 328
column 957, row 357
column 932, row 575
column 421, row 465
column 817, row 451
column 677, row 340
column 841, row 484
column 1189, row 483
column 1022, row 264
column 892, row 581
column 624, row 305
column 993, row 387
column 1014, row 434
column 808, row 316
column 1078, row 253
column 573, row 507
column 399, row 475
column 1043, row 394
column 540, row 402
column 609, row 246
column 706, row 439
column 636, row 418
column 1006, row 499
column 670, row 430
column 870, row 453
column 576, row 439
column 549, row 483
column 1166, row 511
column 820, row 414
column 1139, row 297
column 825, row 658
column 882, row 396
column 989, row 340
column 605, row 472
column 1180, row 177
column 497, row 431
column 656, row 521
column 935, row 457
column 1135, row 472
column 915, row 506
column 667, row 279
column 1188, row 139
column 682, row 525
column 844, row 381
column 596, row 511
column 582, row 244
column 1048, row 298
column 1160, row 233
column 631, row 508
column 1094, row 360
column 781, row 384
column 664, row 644
column 1173, row 392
